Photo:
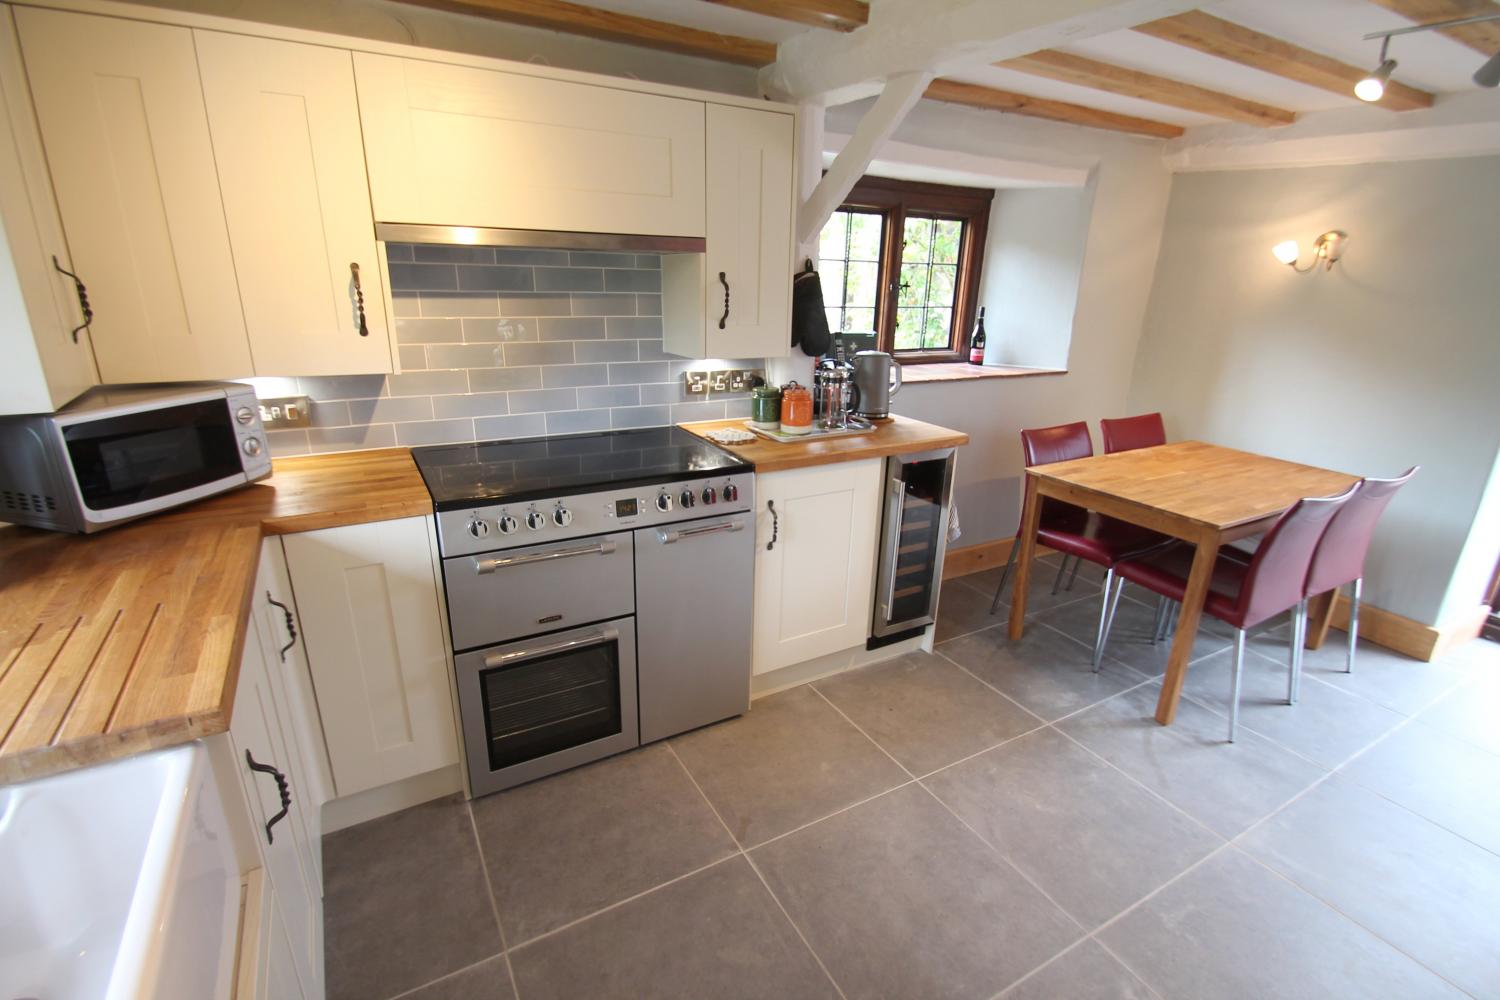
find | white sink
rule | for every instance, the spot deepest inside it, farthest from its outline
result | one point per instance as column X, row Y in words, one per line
column 118, row 882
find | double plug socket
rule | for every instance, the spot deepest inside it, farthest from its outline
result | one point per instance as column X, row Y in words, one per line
column 701, row 383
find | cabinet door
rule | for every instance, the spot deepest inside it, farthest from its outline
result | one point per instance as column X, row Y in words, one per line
column 257, row 729
column 291, row 164
column 368, row 603
column 454, row 145
column 122, row 118
column 813, row 588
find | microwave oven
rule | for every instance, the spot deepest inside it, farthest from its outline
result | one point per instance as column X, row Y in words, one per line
column 122, row 452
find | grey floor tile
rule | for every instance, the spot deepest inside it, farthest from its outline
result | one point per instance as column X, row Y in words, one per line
column 1086, row 972
column 1045, row 671
column 1387, row 678
column 563, row 847
column 1429, row 892
column 1040, row 597
column 394, row 917
column 788, row 761
column 717, row 934
column 1451, row 782
column 1130, row 634
column 1094, row 840
column 924, row 711
column 900, row 900
column 962, row 609
column 1230, row 929
column 1328, row 725
column 489, row 980
column 1471, row 711
column 1227, row 786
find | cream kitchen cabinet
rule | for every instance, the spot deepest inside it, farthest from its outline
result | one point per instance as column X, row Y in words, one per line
column 126, row 134
column 459, row 145
column 368, row 604
column 815, row 582
column 291, row 167
column 735, row 300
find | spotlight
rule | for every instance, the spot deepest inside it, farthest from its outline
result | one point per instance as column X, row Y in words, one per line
column 1372, row 87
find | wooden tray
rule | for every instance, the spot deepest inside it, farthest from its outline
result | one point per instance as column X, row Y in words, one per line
column 817, row 433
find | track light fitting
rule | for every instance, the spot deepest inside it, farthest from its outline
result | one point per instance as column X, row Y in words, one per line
column 1372, row 87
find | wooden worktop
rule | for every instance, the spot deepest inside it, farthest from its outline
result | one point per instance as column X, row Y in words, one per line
column 130, row 639
column 900, row 436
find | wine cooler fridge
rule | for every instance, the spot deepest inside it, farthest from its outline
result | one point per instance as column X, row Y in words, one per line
column 913, row 538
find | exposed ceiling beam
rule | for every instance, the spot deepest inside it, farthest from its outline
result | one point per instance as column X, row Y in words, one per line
column 840, row 15
column 1237, row 43
column 576, row 19
column 1483, row 37
column 975, row 96
column 1084, row 72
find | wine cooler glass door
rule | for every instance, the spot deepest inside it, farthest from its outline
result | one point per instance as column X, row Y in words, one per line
column 913, row 540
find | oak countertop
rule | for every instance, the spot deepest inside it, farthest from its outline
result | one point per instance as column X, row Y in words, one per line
column 900, row 436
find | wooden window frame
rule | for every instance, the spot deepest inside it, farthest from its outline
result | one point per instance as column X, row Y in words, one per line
column 895, row 199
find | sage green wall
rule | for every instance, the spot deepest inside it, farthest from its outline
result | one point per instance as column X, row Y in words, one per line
column 1389, row 360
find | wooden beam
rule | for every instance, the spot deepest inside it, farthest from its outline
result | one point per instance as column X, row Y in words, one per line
column 1083, row 72
column 1483, row 37
column 975, row 96
column 576, row 19
column 1237, row 43
column 840, row 15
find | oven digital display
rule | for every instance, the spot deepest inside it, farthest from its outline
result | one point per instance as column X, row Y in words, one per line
column 626, row 508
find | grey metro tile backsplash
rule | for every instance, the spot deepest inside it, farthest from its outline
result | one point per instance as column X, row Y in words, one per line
column 505, row 343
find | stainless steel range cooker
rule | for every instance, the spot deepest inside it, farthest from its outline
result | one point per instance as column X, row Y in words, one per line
column 599, row 593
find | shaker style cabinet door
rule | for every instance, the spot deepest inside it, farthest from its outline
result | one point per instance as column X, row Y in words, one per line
column 814, row 586
column 455, row 145
column 369, row 609
column 291, row 165
column 122, row 119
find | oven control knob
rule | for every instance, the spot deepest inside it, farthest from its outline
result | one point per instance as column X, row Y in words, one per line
column 731, row 493
column 478, row 527
column 688, row 499
column 507, row 524
column 562, row 516
column 536, row 520
column 710, row 495
column 244, row 414
column 252, row 447
column 664, row 502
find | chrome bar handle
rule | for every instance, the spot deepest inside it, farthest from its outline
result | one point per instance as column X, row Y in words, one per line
column 670, row 535
column 483, row 566
column 606, row 634
column 893, row 533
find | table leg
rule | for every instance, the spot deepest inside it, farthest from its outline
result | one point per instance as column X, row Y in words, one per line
column 1199, row 578
column 1031, row 513
column 1319, row 617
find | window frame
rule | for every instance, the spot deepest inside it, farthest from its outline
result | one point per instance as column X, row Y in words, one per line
column 895, row 199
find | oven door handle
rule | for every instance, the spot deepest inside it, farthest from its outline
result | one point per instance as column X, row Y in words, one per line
column 483, row 566
column 893, row 538
column 606, row 634
column 670, row 535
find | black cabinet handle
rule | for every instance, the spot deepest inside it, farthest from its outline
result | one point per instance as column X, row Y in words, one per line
column 83, row 299
column 725, row 282
column 359, row 299
column 281, row 786
column 775, row 525
column 291, row 626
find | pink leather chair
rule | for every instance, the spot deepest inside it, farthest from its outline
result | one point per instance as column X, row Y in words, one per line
column 1245, row 594
column 1340, row 556
column 1130, row 433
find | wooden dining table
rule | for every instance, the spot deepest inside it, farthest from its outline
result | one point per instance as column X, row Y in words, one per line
column 1200, row 493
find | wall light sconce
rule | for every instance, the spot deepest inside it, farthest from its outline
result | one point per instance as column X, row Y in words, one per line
column 1327, row 249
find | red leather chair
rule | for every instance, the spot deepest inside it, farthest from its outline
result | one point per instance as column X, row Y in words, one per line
column 1245, row 594
column 1076, row 533
column 1130, row 433
column 1340, row 556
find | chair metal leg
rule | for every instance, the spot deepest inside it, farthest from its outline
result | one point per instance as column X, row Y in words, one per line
column 1353, row 624
column 1234, row 682
column 1010, row 561
column 1073, row 578
column 1112, row 588
column 1062, row 569
column 1173, row 613
column 1294, row 652
column 1161, row 619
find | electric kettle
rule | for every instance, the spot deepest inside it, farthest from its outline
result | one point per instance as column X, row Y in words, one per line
column 877, row 377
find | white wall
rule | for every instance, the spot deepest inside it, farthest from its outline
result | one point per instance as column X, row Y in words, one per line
column 1389, row 360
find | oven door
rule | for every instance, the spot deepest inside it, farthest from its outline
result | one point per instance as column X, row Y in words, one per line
column 538, row 706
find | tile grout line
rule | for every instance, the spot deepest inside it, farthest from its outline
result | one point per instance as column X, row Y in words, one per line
column 489, row 886
column 758, row 874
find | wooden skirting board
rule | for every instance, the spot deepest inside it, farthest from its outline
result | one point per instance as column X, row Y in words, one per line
column 1384, row 628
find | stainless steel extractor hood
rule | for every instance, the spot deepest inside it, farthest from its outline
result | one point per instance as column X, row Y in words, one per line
column 549, row 239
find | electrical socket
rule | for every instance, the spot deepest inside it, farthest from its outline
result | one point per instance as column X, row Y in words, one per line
column 286, row 411
column 695, row 383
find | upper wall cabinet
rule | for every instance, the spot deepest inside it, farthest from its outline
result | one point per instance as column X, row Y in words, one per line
column 454, row 145
column 735, row 300
column 126, row 136
column 291, row 166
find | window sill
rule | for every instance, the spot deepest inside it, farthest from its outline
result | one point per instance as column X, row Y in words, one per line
column 958, row 371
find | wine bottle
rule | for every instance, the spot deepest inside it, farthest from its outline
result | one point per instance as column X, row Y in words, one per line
column 976, row 342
